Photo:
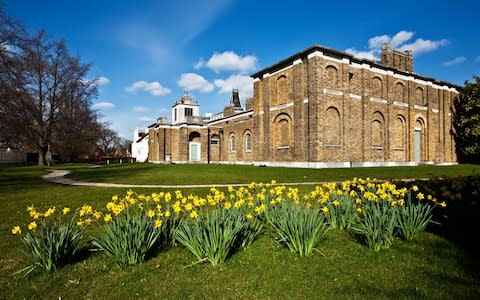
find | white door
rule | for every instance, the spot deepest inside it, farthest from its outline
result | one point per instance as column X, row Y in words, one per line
column 194, row 151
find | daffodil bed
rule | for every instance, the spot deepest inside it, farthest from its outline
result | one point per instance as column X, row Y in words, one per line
column 212, row 227
column 238, row 243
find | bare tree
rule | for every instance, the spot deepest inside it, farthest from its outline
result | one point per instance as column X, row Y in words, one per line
column 108, row 141
column 44, row 96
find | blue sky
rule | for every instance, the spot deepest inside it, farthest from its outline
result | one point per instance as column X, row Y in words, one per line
column 145, row 53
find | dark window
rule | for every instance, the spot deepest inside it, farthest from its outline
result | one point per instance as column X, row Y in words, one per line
column 188, row 112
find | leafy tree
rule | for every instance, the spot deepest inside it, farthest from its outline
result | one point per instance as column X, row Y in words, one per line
column 467, row 122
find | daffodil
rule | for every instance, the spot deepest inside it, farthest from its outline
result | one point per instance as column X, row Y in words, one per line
column 157, row 223
column 107, row 218
column 150, row 213
column 16, row 230
column 65, row 210
column 32, row 226
column 193, row 214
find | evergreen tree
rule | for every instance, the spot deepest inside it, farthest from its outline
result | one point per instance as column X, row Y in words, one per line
column 467, row 122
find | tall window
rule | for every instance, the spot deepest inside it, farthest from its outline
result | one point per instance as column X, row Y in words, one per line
column 332, row 129
column 377, row 87
column 419, row 96
column 377, row 130
column 233, row 144
column 282, row 90
column 188, row 112
column 248, row 143
column 332, row 77
column 175, row 115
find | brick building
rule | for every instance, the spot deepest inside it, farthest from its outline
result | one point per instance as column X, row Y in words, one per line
column 320, row 108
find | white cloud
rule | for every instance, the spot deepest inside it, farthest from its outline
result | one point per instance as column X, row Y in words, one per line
column 377, row 41
column 422, row 46
column 140, row 109
column 155, row 88
column 372, row 54
column 230, row 61
column 243, row 83
column 199, row 64
column 103, row 105
column 192, row 82
column 455, row 61
column 147, row 119
column 400, row 38
column 398, row 42
column 102, row 80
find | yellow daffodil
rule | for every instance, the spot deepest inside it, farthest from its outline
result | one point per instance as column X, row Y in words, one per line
column 107, row 218
column 193, row 214
column 49, row 212
column 157, row 223
column 150, row 213
column 227, row 205
column 168, row 214
column 443, row 204
column 32, row 226
column 16, row 230
column 65, row 210
column 249, row 216
column 325, row 209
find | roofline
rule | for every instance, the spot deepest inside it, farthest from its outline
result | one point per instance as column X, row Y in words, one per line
column 230, row 117
column 340, row 55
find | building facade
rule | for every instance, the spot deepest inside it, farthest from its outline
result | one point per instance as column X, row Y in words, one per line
column 321, row 108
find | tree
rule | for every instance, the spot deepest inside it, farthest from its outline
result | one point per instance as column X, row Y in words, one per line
column 466, row 122
column 44, row 96
column 108, row 140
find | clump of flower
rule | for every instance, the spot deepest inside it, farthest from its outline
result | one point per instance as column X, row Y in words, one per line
column 51, row 238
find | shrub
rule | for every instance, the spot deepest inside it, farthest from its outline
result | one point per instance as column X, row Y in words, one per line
column 52, row 239
column 299, row 227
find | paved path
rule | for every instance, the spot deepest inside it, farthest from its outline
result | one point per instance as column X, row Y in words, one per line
column 58, row 176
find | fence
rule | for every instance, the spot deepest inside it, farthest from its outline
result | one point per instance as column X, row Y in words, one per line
column 12, row 157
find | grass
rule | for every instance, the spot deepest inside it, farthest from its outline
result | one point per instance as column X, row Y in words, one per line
column 216, row 174
column 430, row 266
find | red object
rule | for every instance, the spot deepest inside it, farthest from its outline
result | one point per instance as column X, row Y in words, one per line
column 98, row 157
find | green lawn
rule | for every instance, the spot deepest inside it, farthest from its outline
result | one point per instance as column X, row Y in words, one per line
column 215, row 174
column 430, row 267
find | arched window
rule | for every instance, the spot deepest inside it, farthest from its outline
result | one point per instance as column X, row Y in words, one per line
column 233, row 143
column 283, row 131
column 248, row 142
column 419, row 96
column 332, row 77
column 282, row 90
column 377, row 130
column 399, row 133
column 377, row 87
column 399, row 92
column 332, row 128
